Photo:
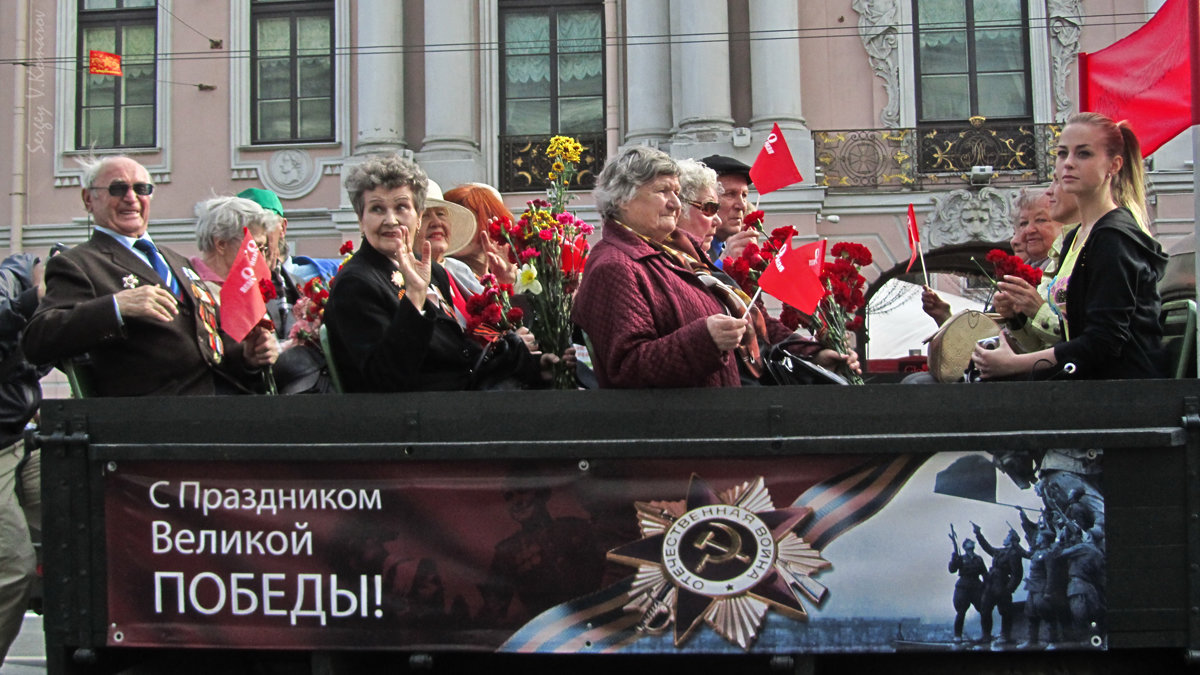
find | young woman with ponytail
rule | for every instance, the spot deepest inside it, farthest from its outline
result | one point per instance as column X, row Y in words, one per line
column 1106, row 287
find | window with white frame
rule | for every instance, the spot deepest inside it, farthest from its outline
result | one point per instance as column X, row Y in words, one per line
column 972, row 59
column 292, row 71
column 117, row 111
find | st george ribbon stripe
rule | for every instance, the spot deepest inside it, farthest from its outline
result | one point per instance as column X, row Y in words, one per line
column 844, row 501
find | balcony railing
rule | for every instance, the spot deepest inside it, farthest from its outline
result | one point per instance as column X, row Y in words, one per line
column 935, row 154
column 524, row 165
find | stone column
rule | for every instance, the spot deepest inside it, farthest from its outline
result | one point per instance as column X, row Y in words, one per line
column 704, row 115
column 648, row 64
column 450, row 152
column 775, row 84
column 379, row 78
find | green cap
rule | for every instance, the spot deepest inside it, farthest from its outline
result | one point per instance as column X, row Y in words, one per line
column 264, row 198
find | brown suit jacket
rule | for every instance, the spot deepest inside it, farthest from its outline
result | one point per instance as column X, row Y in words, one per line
column 134, row 357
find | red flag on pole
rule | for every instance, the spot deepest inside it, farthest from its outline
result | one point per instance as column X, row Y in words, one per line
column 774, row 168
column 914, row 237
column 1148, row 78
column 103, row 63
column 242, row 304
column 794, row 276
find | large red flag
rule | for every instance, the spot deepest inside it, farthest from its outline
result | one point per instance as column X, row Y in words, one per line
column 774, row 168
column 103, row 63
column 242, row 304
column 794, row 276
column 914, row 237
column 1149, row 77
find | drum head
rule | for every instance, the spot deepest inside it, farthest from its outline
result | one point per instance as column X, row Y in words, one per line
column 950, row 348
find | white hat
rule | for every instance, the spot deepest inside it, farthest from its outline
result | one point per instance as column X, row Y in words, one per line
column 462, row 221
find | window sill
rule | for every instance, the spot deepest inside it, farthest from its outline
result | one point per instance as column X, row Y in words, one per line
column 103, row 152
column 285, row 145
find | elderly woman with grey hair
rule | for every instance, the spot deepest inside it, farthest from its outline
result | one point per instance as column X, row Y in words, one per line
column 698, row 194
column 221, row 223
column 391, row 313
column 651, row 320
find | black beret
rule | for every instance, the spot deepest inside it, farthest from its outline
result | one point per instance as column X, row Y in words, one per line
column 725, row 166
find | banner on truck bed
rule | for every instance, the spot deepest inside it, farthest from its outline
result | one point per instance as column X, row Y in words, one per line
column 812, row 553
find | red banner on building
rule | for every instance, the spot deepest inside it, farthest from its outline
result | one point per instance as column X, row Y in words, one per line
column 103, row 63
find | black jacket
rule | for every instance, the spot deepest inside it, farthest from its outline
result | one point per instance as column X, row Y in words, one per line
column 20, row 390
column 381, row 342
column 1113, row 304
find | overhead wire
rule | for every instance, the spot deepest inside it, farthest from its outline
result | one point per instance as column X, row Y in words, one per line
column 1110, row 20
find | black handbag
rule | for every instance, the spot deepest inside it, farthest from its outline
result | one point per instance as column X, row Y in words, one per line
column 504, row 364
column 782, row 367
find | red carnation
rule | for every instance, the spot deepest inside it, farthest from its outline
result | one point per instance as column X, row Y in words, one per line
column 347, row 248
column 515, row 315
column 267, row 288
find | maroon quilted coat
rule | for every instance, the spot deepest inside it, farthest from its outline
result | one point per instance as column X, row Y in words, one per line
column 645, row 316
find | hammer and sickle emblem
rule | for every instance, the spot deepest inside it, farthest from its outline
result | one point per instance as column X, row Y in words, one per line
column 732, row 551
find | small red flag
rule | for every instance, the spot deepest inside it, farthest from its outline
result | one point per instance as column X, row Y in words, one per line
column 774, row 168
column 1147, row 77
column 242, row 304
column 914, row 237
column 794, row 276
column 103, row 63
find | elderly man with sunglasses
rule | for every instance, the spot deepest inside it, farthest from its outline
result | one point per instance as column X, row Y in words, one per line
column 139, row 312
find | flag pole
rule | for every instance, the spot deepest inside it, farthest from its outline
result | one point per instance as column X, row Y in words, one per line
column 1193, row 15
column 921, row 253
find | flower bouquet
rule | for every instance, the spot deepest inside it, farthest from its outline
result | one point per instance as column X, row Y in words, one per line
column 1004, row 264
column 836, row 316
column 309, row 311
column 491, row 313
column 749, row 266
column 551, row 247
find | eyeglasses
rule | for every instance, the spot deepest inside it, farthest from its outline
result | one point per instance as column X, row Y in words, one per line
column 707, row 208
column 121, row 188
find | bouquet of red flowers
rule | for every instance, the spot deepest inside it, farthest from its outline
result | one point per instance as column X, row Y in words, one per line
column 309, row 311
column 837, row 314
column 550, row 246
column 749, row 266
column 1010, row 265
column 491, row 313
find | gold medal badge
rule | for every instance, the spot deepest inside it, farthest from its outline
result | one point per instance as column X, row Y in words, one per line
column 721, row 559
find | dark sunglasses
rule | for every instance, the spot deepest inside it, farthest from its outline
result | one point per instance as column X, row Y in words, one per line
column 120, row 189
column 707, row 208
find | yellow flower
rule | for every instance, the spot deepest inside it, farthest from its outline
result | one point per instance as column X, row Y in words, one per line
column 558, row 167
column 551, row 175
column 527, row 280
column 564, row 147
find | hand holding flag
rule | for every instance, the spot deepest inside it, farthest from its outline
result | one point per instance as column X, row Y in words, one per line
column 774, row 168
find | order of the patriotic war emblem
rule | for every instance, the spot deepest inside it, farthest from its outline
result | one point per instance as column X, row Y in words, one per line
column 720, row 559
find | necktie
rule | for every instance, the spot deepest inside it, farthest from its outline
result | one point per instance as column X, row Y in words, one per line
column 156, row 261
